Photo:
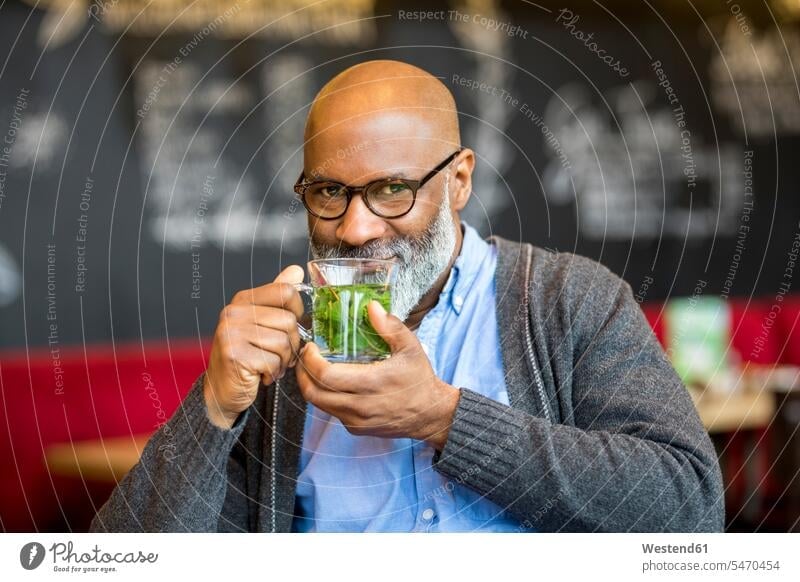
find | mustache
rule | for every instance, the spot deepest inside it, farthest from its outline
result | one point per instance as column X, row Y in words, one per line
column 401, row 248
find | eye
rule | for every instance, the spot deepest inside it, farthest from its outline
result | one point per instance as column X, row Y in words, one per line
column 393, row 188
column 398, row 187
column 329, row 190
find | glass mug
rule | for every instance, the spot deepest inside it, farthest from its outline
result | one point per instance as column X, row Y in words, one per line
column 340, row 291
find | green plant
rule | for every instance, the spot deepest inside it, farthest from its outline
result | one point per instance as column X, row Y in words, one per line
column 341, row 323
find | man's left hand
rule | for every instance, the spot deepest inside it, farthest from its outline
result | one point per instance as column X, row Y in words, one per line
column 393, row 398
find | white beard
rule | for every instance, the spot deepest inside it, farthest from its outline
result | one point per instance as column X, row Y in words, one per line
column 420, row 260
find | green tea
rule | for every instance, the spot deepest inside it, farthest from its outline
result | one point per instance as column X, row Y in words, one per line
column 342, row 329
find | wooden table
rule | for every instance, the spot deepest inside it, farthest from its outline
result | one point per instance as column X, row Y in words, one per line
column 736, row 411
column 101, row 460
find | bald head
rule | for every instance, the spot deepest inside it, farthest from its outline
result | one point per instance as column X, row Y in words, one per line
column 383, row 102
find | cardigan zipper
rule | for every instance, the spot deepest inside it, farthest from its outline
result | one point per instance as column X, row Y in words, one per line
column 529, row 341
column 273, row 446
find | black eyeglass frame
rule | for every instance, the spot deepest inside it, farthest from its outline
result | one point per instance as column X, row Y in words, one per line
column 301, row 187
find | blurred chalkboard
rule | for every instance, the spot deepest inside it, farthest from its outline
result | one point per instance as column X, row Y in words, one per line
column 148, row 172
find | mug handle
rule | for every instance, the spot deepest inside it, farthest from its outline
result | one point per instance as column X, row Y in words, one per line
column 305, row 334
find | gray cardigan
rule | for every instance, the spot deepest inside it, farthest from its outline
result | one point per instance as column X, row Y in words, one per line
column 601, row 435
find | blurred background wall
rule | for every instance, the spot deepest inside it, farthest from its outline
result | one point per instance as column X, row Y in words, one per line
column 148, row 151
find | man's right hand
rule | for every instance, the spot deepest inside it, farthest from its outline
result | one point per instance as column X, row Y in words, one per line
column 256, row 339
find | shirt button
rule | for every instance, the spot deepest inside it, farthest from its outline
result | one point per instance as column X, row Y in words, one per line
column 427, row 515
column 458, row 301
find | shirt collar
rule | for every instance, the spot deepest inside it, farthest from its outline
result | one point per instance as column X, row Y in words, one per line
column 466, row 267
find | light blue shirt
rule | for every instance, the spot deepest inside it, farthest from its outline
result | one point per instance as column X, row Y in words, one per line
column 360, row 483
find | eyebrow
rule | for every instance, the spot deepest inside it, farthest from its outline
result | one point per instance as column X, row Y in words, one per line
column 402, row 175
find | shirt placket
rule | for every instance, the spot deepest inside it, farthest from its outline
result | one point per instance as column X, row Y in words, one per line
column 425, row 478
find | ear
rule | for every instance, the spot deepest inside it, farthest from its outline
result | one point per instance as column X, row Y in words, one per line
column 461, row 187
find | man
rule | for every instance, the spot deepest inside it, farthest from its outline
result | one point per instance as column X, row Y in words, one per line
column 525, row 390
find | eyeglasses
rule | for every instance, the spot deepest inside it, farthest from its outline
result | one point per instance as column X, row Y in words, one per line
column 386, row 197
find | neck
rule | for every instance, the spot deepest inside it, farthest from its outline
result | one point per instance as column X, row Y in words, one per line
column 431, row 298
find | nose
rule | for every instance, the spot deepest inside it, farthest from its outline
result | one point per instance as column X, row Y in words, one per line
column 359, row 225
